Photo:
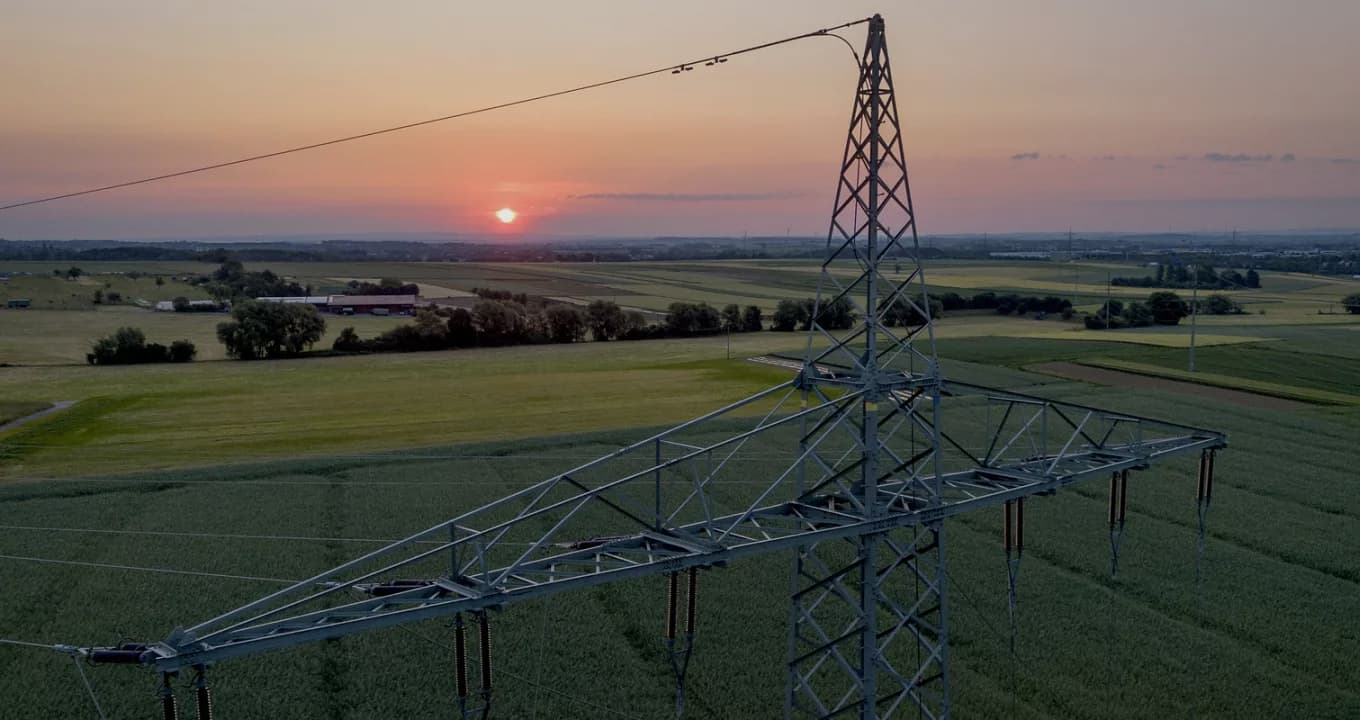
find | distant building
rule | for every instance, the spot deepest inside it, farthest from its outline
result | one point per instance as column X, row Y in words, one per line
column 352, row 304
column 320, row 302
column 197, row 305
column 18, row 303
column 373, row 304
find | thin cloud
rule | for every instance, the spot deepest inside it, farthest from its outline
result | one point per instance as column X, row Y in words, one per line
column 1287, row 157
column 1108, row 157
column 1025, row 156
column 688, row 197
column 1238, row 158
column 1159, row 166
column 1344, row 160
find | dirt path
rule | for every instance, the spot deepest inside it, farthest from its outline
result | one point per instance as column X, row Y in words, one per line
column 56, row 406
column 1101, row 376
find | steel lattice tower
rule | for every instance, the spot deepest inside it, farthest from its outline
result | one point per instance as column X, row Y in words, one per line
column 848, row 610
column 854, row 465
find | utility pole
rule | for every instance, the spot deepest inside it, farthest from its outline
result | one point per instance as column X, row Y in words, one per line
column 1107, row 299
column 1194, row 312
column 1076, row 274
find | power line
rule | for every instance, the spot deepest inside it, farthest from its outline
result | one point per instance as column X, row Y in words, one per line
column 171, row 571
column 25, row 643
column 674, row 69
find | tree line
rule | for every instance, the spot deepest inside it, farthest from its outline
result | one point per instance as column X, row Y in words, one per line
column 128, row 346
column 1184, row 277
column 518, row 319
column 1160, row 308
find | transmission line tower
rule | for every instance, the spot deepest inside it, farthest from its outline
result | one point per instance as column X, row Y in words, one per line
column 853, row 465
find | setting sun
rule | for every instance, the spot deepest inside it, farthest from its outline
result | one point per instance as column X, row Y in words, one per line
column 506, row 215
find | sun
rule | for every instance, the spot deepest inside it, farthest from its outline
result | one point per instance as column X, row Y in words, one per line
column 506, row 215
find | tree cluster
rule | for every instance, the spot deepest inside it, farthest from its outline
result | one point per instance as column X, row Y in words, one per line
column 1199, row 275
column 128, row 346
column 385, row 286
column 506, row 322
column 1161, row 308
column 1008, row 303
column 230, row 282
column 1352, row 303
column 261, row 330
column 1217, row 304
column 790, row 315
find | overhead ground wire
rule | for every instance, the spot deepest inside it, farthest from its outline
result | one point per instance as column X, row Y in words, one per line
column 674, row 68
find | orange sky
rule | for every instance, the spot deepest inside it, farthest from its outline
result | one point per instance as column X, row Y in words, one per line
column 1144, row 116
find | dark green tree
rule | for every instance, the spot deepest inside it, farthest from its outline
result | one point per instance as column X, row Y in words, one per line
column 1352, row 303
column 731, row 318
column 565, row 323
column 1167, row 308
column 605, row 320
column 462, row 331
column 270, row 330
column 752, row 320
column 348, row 341
column 1218, row 304
column 499, row 323
column 1253, row 279
column 788, row 315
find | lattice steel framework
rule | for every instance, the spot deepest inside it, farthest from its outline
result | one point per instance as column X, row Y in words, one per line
column 854, row 464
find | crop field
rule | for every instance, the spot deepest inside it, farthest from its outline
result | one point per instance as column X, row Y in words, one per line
column 59, row 293
column 1282, row 562
column 132, row 417
column 62, row 337
column 1288, row 301
column 168, row 493
column 14, row 409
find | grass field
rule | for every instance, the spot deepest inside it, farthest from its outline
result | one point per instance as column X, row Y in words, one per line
column 15, row 409
column 1283, row 562
column 62, row 337
column 1289, row 300
column 48, row 292
column 168, row 415
column 204, row 467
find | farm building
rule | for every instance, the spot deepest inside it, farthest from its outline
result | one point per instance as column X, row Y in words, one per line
column 18, row 303
column 373, row 304
column 320, row 302
column 196, row 305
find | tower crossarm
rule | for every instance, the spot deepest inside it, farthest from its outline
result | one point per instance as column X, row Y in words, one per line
column 759, row 528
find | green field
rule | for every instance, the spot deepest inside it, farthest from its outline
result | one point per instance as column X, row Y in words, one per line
column 271, row 471
column 1290, row 301
column 15, row 409
column 48, row 292
column 1283, row 562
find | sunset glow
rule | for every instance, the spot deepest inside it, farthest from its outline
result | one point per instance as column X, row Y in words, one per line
column 1165, row 131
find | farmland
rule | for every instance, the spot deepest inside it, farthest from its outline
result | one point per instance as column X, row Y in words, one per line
column 1286, row 303
column 247, row 475
column 1281, row 561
